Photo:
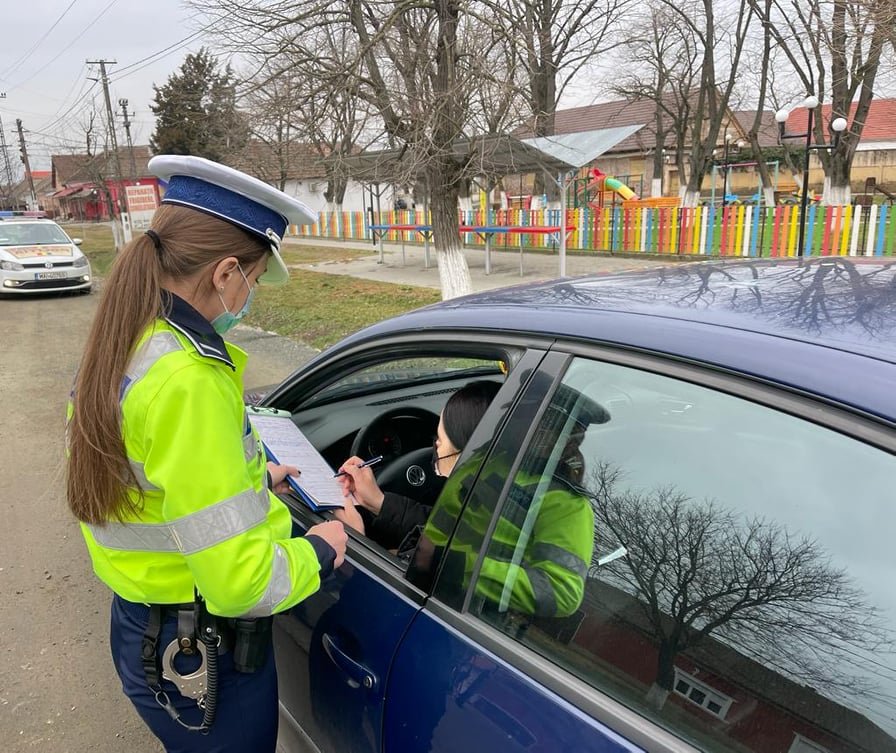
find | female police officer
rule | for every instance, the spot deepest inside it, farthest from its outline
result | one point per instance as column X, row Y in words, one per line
column 168, row 478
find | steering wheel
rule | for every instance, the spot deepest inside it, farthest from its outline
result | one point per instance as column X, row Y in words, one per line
column 409, row 474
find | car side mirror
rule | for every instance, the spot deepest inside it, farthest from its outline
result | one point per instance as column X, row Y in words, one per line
column 77, row 241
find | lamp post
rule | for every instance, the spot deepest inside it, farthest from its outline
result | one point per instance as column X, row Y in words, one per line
column 737, row 146
column 838, row 125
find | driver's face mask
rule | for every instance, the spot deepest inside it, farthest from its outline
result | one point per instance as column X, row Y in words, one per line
column 436, row 458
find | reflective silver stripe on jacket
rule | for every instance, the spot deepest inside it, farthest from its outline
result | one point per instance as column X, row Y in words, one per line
column 545, row 601
column 140, row 474
column 559, row 556
column 192, row 533
column 279, row 587
column 250, row 446
column 160, row 344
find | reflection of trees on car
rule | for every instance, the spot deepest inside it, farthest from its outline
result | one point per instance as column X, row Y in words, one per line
column 808, row 297
column 700, row 570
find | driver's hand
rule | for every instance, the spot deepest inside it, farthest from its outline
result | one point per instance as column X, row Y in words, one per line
column 361, row 483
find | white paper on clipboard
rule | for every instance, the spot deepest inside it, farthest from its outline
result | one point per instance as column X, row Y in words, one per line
column 285, row 444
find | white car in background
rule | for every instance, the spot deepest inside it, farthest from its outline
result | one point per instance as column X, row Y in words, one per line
column 37, row 256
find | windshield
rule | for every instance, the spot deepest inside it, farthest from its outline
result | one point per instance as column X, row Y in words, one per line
column 31, row 234
column 408, row 371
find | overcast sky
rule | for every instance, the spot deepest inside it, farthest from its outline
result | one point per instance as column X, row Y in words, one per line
column 47, row 82
column 45, row 77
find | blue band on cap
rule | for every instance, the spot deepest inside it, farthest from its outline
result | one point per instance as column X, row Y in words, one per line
column 226, row 204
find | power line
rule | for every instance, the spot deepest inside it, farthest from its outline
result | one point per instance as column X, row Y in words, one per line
column 68, row 46
column 81, row 100
column 164, row 52
column 18, row 63
column 157, row 56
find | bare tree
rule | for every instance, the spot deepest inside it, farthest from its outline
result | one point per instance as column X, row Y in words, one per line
column 699, row 570
column 663, row 68
column 556, row 39
column 417, row 67
column 834, row 47
column 720, row 32
column 296, row 123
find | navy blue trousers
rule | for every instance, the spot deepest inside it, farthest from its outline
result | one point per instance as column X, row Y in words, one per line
column 246, row 718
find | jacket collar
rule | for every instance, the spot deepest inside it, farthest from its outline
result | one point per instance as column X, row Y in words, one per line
column 195, row 327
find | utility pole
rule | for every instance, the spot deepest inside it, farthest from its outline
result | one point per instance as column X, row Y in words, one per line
column 6, row 163
column 125, row 223
column 24, row 150
column 127, row 130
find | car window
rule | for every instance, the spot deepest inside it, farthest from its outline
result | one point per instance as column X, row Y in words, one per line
column 22, row 233
column 720, row 567
column 406, row 371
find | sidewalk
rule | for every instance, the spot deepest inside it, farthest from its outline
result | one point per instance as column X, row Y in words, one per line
column 508, row 267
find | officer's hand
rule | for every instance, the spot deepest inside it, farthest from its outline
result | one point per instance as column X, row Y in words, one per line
column 279, row 473
column 362, row 483
column 334, row 534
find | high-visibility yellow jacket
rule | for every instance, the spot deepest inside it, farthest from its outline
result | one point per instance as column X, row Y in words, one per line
column 539, row 551
column 207, row 520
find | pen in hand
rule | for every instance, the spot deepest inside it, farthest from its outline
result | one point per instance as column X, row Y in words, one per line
column 365, row 464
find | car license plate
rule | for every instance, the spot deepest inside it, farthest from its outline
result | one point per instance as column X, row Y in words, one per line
column 50, row 275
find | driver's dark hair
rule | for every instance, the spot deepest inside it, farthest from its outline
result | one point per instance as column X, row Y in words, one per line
column 465, row 408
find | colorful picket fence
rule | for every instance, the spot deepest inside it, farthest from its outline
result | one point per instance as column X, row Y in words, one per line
column 742, row 230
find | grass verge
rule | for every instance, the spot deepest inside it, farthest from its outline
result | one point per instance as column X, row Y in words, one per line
column 313, row 308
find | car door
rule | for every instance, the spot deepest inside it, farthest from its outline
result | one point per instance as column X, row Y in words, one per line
column 456, row 685
column 335, row 649
column 738, row 594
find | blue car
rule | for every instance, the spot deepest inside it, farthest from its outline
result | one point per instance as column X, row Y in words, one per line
column 671, row 531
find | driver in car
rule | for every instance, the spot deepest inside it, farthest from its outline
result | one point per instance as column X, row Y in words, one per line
column 388, row 518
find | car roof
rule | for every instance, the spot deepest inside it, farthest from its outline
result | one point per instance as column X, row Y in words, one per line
column 825, row 326
column 28, row 220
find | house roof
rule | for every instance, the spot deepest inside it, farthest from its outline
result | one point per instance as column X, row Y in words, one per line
column 42, row 186
column 768, row 128
column 880, row 123
column 69, row 168
column 300, row 161
column 490, row 154
column 618, row 113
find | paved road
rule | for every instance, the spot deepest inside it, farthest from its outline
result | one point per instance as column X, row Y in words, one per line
column 58, row 690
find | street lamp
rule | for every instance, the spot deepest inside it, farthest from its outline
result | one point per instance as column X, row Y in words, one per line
column 838, row 125
column 738, row 146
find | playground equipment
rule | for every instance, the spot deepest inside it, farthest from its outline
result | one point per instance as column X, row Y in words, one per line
column 733, row 198
column 600, row 183
column 872, row 187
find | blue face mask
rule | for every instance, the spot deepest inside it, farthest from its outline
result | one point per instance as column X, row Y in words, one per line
column 226, row 321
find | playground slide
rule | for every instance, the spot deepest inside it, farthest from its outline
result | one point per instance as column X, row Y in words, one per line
column 619, row 187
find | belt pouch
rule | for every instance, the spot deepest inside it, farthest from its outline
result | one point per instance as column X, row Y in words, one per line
column 252, row 639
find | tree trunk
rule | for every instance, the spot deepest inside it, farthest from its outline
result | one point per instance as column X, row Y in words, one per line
column 836, row 194
column 665, row 676
column 768, row 195
column 454, row 274
column 445, row 175
column 543, row 92
column 689, row 197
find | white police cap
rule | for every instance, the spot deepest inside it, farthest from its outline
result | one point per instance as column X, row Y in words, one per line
column 233, row 196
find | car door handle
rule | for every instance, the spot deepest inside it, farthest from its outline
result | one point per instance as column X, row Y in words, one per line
column 358, row 674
